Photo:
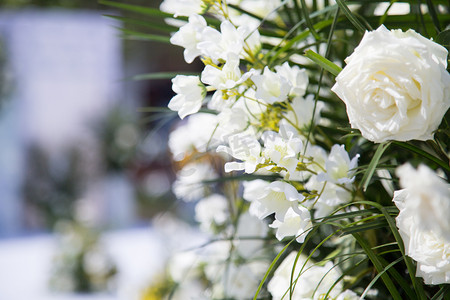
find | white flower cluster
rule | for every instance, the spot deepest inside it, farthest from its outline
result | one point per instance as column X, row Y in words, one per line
column 311, row 281
column 261, row 121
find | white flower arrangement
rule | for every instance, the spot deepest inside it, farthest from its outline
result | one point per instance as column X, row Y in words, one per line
column 299, row 189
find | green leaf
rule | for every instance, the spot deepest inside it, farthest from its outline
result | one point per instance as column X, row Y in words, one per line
column 153, row 12
column 378, row 265
column 144, row 36
column 423, row 154
column 388, row 267
column 441, row 293
column 158, row 26
column 269, row 270
column 405, row 285
column 308, row 21
column 323, row 62
column 373, row 165
column 364, row 227
column 351, row 17
column 443, row 38
column 434, row 16
column 160, row 75
column 262, row 20
column 289, row 44
column 411, row 269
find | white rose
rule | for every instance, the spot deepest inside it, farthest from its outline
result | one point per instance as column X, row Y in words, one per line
column 395, row 86
column 430, row 250
column 428, row 198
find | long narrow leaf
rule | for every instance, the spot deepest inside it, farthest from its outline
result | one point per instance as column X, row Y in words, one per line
column 323, row 62
column 442, row 292
column 298, row 38
column 308, row 21
column 160, row 75
column 373, row 165
column 351, row 17
column 153, row 12
column 379, row 275
column 411, row 269
column 153, row 25
column 434, row 16
column 378, row 265
column 145, row 36
column 269, row 270
column 364, row 227
column 423, row 154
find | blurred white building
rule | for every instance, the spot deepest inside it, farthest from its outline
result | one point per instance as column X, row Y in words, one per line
column 66, row 70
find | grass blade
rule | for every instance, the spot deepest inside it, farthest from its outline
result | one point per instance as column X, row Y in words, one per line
column 434, row 16
column 323, row 62
column 423, row 154
column 158, row 26
column 160, row 75
column 373, row 165
column 351, row 17
column 153, row 12
column 378, row 266
column 145, row 36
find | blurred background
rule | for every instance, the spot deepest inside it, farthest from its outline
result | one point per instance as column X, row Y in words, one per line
column 85, row 175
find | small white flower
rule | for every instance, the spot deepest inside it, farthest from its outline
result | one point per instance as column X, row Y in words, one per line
column 183, row 265
column 331, row 196
column 232, row 120
column 243, row 280
column 271, row 87
column 226, row 78
column 182, row 7
column 188, row 185
column 252, row 40
column 188, row 37
column 252, row 190
column 314, row 158
column 277, row 198
column 283, row 147
column 212, row 210
column 250, row 226
column 197, row 134
column 309, row 279
column 190, row 94
column 262, row 8
column 302, row 112
column 297, row 78
column 428, row 198
column 218, row 45
column 295, row 224
column 245, row 147
column 339, row 168
column 253, row 109
column 348, row 295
